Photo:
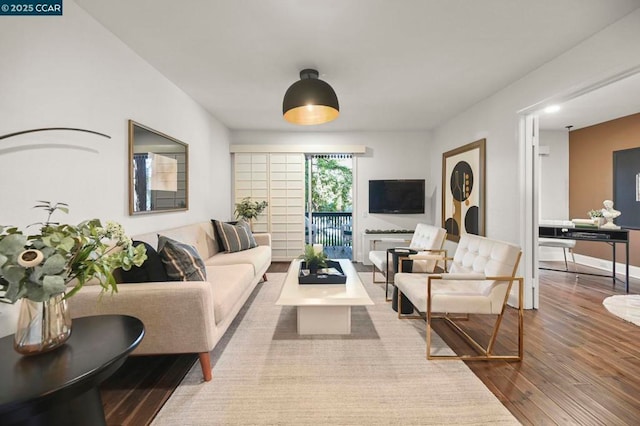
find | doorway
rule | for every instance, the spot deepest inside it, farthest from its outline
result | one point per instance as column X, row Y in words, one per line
column 595, row 104
column 329, row 203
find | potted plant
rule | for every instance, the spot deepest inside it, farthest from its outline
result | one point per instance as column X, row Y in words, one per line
column 39, row 269
column 596, row 216
column 313, row 259
column 249, row 210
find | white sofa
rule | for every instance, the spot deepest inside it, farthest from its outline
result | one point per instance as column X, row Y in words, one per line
column 185, row 316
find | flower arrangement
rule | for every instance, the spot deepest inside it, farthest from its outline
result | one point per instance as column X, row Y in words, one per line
column 248, row 209
column 594, row 213
column 42, row 265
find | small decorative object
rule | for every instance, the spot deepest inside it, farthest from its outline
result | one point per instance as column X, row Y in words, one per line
column 39, row 268
column 609, row 214
column 596, row 216
column 249, row 210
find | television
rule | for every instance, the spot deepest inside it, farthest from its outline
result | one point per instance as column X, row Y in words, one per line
column 399, row 196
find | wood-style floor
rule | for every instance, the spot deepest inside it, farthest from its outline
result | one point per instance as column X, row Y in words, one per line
column 581, row 364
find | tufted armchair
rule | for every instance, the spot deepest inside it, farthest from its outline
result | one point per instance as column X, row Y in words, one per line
column 427, row 240
column 480, row 281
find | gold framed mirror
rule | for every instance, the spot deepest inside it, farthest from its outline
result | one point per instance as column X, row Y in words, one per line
column 158, row 171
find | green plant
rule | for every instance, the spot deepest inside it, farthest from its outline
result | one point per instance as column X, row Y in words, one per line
column 42, row 265
column 595, row 213
column 313, row 259
column 248, row 209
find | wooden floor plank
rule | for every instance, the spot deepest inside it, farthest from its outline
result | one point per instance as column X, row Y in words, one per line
column 581, row 364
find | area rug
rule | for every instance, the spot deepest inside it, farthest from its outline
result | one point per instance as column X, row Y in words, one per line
column 625, row 306
column 265, row 374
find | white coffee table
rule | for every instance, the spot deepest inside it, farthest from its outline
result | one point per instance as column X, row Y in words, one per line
column 324, row 308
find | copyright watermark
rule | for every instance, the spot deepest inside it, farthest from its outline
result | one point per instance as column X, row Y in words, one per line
column 31, row 7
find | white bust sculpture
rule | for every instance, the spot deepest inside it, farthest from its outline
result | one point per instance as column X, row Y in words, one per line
column 609, row 213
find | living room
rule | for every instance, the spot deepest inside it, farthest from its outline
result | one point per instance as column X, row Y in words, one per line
column 71, row 71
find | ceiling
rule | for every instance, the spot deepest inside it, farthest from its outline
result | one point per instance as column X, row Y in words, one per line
column 615, row 100
column 395, row 65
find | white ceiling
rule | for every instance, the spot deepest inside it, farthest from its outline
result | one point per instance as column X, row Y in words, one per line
column 615, row 100
column 395, row 65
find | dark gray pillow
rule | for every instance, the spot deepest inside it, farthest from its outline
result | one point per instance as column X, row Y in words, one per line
column 152, row 270
column 181, row 261
column 236, row 237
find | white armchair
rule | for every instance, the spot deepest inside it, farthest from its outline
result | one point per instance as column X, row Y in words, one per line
column 426, row 239
column 482, row 273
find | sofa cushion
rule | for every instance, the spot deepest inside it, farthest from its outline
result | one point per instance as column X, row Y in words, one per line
column 200, row 235
column 236, row 237
column 229, row 282
column 259, row 257
column 152, row 270
column 182, row 261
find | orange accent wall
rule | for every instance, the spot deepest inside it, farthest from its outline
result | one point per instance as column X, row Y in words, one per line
column 591, row 177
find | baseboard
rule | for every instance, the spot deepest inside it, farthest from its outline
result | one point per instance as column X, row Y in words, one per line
column 607, row 265
column 553, row 254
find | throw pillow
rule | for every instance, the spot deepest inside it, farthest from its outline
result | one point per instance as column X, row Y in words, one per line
column 217, row 234
column 181, row 261
column 152, row 270
column 236, row 237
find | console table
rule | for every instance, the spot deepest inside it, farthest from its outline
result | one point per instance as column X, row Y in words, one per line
column 61, row 387
column 603, row 235
column 380, row 240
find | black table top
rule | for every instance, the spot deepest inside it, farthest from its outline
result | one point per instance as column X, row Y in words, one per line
column 96, row 349
column 402, row 250
column 583, row 233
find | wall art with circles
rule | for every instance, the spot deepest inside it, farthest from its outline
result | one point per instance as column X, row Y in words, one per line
column 463, row 190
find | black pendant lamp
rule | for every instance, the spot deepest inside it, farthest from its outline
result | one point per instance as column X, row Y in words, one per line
column 310, row 101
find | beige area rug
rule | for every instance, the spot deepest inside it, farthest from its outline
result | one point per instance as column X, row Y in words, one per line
column 625, row 306
column 265, row 374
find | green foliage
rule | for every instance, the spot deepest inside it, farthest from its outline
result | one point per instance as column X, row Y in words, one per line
column 313, row 259
column 595, row 213
column 331, row 186
column 42, row 265
column 248, row 209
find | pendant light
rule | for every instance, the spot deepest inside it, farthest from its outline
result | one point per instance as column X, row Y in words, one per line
column 310, row 100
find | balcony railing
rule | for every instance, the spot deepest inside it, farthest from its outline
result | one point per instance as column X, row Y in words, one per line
column 331, row 228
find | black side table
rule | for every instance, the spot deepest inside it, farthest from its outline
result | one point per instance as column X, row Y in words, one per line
column 397, row 252
column 61, row 387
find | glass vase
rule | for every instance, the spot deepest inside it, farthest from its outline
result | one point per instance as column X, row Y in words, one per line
column 42, row 326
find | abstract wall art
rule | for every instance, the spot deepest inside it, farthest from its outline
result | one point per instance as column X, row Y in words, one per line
column 463, row 190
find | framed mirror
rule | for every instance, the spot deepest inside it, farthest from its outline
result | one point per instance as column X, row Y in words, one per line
column 158, row 171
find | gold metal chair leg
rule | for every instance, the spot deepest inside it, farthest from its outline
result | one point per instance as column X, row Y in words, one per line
column 486, row 353
column 373, row 270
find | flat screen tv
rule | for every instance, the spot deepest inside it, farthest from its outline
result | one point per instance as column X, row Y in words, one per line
column 400, row 196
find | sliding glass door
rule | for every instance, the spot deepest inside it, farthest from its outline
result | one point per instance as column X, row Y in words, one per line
column 329, row 203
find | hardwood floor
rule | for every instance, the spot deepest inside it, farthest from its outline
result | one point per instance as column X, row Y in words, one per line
column 581, row 364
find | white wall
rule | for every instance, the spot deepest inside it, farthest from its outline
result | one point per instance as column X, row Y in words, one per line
column 607, row 53
column 70, row 72
column 598, row 58
column 390, row 155
column 554, row 175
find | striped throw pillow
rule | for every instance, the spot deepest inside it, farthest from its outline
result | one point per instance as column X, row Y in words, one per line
column 181, row 261
column 236, row 237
